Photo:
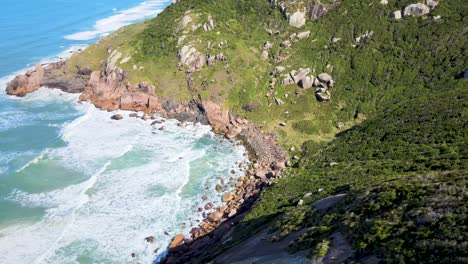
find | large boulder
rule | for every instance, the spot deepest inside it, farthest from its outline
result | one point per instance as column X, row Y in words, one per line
column 307, row 82
column 228, row 197
column 24, row 84
column 297, row 19
column 217, row 117
column 324, row 77
column 301, row 74
column 303, row 35
column 416, row 10
column 191, row 58
column 103, row 91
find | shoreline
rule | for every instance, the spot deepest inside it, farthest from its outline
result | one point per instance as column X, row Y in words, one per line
column 107, row 90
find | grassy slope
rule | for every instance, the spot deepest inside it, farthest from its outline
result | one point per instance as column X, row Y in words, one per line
column 405, row 150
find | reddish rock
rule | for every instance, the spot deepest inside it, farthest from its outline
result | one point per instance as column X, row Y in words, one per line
column 24, row 84
column 135, row 101
column 217, row 117
column 178, row 239
column 153, row 104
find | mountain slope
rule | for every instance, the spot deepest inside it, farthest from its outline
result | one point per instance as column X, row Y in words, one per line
column 392, row 137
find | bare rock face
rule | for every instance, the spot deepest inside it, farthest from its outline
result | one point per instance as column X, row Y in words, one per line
column 185, row 21
column 24, row 84
column 416, row 10
column 104, row 92
column 317, row 10
column 307, row 82
column 297, row 19
column 191, row 58
column 108, row 93
column 217, row 117
column 134, row 101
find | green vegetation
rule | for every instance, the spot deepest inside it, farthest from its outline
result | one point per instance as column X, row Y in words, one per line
column 402, row 156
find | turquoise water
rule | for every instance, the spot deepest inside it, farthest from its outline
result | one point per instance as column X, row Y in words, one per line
column 76, row 186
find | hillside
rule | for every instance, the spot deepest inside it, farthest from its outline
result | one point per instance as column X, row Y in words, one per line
column 386, row 127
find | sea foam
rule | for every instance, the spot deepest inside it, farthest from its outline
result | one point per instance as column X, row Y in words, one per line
column 104, row 26
column 142, row 181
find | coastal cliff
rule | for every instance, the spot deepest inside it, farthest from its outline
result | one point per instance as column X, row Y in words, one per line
column 364, row 95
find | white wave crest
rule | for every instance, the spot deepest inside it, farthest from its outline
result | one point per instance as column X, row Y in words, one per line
column 104, row 26
column 143, row 181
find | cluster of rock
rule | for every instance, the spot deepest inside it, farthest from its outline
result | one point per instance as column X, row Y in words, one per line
column 110, row 90
column 297, row 12
column 303, row 79
column 416, row 10
column 295, row 37
column 271, row 159
column 190, row 57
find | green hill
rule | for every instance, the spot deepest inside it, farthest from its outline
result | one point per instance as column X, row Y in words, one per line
column 393, row 136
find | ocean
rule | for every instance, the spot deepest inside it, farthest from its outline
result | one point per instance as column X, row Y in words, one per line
column 76, row 186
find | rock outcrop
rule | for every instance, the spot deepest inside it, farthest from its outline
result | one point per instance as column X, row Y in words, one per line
column 191, row 58
column 24, row 84
column 297, row 19
column 317, row 10
column 297, row 12
column 416, row 10
column 51, row 75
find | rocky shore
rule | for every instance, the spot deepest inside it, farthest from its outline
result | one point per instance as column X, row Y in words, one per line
column 110, row 90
